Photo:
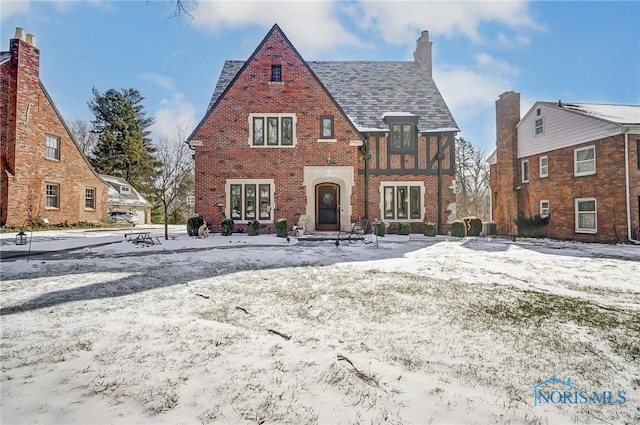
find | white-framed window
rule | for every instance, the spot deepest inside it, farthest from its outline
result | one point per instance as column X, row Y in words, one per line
column 272, row 130
column 125, row 189
column 544, row 208
column 544, row 166
column 53, row 147
column 52, row 195
column 90, row 198
column 402, row 201
column 586, row 215
column 249, row 199
column 539, row 127
column 525, row 171
column 584, row 161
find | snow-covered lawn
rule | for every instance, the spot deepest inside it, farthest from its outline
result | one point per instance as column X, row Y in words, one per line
column 258, row 330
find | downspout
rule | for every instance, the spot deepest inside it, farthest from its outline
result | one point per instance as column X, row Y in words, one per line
column 439, row 157
column 365, row 145
column 626, row 181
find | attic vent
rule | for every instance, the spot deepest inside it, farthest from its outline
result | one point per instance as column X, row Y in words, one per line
column 276, row 73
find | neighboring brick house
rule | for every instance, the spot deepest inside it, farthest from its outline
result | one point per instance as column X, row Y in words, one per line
column 578, row 164
column 124, row 197
column 44, row 173
column 324, row 143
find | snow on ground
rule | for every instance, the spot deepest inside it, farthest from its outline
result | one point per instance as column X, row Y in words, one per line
column 257, row 330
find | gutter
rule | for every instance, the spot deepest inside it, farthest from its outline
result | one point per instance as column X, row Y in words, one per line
column 626, row 180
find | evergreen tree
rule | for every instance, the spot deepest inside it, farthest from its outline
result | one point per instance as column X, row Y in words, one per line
column 124, row 148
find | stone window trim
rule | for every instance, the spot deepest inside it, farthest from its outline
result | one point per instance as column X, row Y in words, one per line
column 390, row 196
column 264, row 142
column 538, row 127
column 52, row 150
column 586, row 215
column 544, row 208
column 544, row 167
column 525, row 171
column 326, row 128
column 256, row 185
column 90, row 198
column 584, row 166
column 51, row 196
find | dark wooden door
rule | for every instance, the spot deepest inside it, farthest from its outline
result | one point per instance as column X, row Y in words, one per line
column 327, row 207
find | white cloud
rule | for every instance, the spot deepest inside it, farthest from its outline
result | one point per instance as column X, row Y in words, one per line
column 175, row 116
column 161, row 80
column 398, row 21
column 9, row 8
column 312, row 26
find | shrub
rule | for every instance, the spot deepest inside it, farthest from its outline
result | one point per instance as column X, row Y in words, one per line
column 282, row 228
column 226, row 227
column 253, row 228
column 532, row 227
column 459, row 229
column 193, row 224
column 473, row 225
column 404, row 228
column 430, row 229
column 379, row 228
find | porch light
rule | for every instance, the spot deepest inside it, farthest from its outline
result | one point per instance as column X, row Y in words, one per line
column 21, row 238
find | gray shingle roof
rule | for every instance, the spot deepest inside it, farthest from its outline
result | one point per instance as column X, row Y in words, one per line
column 366, row 90
column 5, row 56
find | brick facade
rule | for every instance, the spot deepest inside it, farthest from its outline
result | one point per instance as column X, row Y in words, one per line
column 28, row 116
column 561, row 188
column 227, row 152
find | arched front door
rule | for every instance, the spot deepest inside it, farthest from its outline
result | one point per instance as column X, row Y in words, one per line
column 328, row 207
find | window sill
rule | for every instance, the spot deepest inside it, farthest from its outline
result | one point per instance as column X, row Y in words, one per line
column 276, row 83
column 52, row 159
column 327, row 140
column 590, row 173
column 273, row 146
column 588, row 231
column 52, row 208
column 90, row 209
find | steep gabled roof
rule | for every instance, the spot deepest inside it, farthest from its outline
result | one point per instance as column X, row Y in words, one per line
column 4, row 56
column 366, row 90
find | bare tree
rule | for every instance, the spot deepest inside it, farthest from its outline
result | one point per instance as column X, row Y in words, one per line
column 81, row 132
column 472, row 180
column 175, row 181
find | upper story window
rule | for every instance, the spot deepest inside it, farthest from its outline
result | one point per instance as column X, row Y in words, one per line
column 403, row 137
column 52, row 196
column 525, row 171
column 538, row 111
column 539, row 128
column 584, row 161
column 544, row 166
column 402, row 200
column 267, row 130
column 276, row 73
column 125, row 189
column 90, row 198
column 53, row 147
column 326, row 127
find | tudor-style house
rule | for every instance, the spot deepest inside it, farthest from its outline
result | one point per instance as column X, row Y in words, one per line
column 577, row 164
column 44, row 173
column 325, row 143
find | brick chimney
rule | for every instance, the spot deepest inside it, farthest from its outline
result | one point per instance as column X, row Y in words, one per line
column 23, row 50
column 422, row 55
column 505, row 207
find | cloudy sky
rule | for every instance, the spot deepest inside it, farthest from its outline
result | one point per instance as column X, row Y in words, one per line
column 577, row 51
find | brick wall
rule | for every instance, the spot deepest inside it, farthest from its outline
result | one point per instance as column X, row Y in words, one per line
column 26, row 169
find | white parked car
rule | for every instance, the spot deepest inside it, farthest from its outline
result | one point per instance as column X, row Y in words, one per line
column 123, row 217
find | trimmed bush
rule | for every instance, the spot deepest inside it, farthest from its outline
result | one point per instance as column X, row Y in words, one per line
column 459, row 229
column 193, row 224
column 430, row 229
column 226, row 227
column 404, row 228
column 532, row 227
column 282, row 228
column 379, row 228
column 253, row 228
column 474, row 226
